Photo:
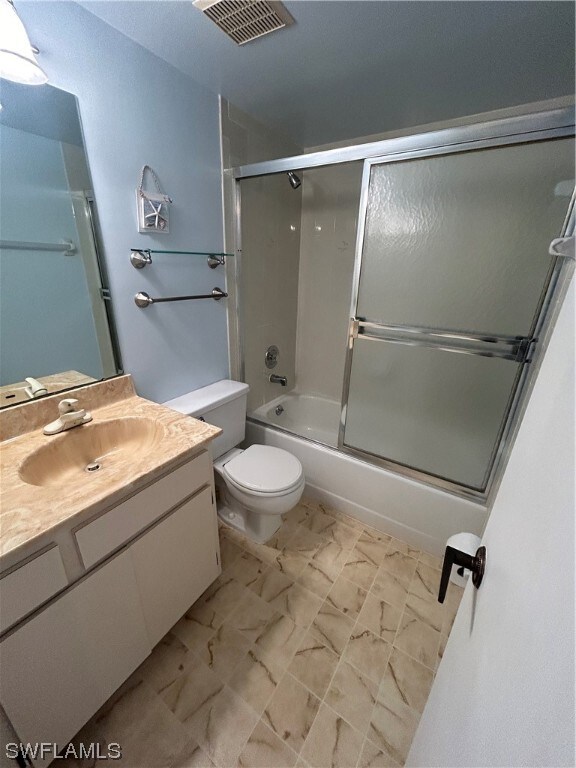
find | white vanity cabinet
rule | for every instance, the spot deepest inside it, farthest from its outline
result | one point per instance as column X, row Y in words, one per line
column 175, row 562
column 150, row 558
column 59, row 667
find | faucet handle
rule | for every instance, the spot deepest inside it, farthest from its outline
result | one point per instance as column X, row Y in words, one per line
column 68, row 405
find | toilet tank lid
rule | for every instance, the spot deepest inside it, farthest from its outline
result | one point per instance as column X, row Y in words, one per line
column 201, row 400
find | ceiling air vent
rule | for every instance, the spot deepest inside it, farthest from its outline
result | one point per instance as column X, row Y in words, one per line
column 246, row 20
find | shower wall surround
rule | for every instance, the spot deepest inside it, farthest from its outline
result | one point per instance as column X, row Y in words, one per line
column 269, row 280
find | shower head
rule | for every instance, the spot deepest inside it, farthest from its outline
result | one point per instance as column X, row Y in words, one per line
column 293, row 179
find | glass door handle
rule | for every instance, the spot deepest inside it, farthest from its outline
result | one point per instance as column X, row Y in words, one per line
column 475, row 563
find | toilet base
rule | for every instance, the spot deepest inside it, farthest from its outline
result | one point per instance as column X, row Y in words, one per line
column 258, row 528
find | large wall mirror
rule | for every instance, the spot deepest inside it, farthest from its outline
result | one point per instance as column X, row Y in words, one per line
column 55, row 320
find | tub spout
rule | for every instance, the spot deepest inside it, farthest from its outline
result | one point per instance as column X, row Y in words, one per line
column 274, row 379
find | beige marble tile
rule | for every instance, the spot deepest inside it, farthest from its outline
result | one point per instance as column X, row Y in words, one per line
column 347, row 597
column 298, row 603
column 352, row 695
column 380, row 617
column 197, row 625
column 314, row 664
column 281, row 638
column 291, row 712
column 351, row 522
column 223, row 727
column 367, row 652
column 418, row 640
column 360, row 569
column 388, row 587
column 165, row 663
column 266, row 750
column 223, row 651
column 320, row 522
column 401, row 565
column 333, row 529
column 431, row 560
column 425, row 583
column 289, row 563
column 305, row 542
column 344, row 535
column 392, row 729
column 376, row 535
column 331, row 557
column 148, row 732
column 396, row 545
column 193, row 691
column 316, row 578
column 192, row 756
column 372, row 548
column 251, row 616
column 213, row 713
column 229, row 551
column 223, row 595
column 271, row 585
column 282, row 535
column 406, row 681
column 372, row 757
column 425, row 610
column 247, row 569
column 256, row 677
column 300, row 513
column 332, row 627
column 332, row 741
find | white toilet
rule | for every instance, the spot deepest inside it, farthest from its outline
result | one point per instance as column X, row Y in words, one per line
column 255, row 486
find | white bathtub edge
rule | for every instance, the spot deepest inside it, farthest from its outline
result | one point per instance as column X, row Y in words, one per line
column 375, row 520
column 414, row 512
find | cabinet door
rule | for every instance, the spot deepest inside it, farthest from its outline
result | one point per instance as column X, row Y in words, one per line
column 175, row 562
column 62, row 665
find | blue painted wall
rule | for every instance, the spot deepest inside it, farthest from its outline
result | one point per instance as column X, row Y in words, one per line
column 136, row 109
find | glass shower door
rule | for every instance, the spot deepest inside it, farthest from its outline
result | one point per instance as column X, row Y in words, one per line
column 453, row 270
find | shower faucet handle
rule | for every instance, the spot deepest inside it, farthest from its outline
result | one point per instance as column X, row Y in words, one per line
column 475, row 563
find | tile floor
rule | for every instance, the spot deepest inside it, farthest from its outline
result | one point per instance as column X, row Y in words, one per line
column 316, row 649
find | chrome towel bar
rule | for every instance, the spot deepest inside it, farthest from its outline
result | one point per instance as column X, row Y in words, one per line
column 143, row 300
column 141, row 257
column 66, row 247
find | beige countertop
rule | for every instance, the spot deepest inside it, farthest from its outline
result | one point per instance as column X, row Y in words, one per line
column 33, row 516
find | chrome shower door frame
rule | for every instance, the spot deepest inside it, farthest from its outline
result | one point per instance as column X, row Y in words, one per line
column 536, row 127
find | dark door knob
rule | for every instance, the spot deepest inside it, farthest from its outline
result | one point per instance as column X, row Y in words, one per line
column 475, row 563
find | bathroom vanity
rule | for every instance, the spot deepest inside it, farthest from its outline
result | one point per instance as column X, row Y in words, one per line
column 96, row 566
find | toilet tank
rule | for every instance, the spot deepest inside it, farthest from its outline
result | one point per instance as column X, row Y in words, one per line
column 222, row 404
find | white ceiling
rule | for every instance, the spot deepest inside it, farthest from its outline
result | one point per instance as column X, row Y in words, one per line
column 351, row 68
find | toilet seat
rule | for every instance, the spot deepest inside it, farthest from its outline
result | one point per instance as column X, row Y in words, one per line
column 262, row 470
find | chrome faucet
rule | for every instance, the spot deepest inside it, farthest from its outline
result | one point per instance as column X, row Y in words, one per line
column 274, row 379
column 70, row 416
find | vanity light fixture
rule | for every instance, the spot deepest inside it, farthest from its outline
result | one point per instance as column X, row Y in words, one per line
column 17, row 60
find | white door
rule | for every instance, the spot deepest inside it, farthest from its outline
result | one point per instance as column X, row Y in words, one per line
column 504, row 693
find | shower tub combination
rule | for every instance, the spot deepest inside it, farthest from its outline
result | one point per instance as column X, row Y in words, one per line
column 409, row 510
column 411, row 358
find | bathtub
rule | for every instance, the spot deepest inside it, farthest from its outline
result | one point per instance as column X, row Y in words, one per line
column 310, row 416
column 415, row 512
